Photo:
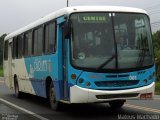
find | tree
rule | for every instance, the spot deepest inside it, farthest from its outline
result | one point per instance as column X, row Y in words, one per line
column 1, row 48
column 156, row 45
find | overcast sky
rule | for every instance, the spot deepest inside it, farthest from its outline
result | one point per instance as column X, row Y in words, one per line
column 15, row 14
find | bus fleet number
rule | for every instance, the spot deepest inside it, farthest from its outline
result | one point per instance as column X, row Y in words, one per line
column 132, row 77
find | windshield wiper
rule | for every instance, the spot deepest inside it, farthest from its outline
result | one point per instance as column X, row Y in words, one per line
column 106, row 62
column 141, row 57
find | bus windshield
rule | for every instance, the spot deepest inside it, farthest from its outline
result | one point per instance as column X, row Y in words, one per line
column 111, row 41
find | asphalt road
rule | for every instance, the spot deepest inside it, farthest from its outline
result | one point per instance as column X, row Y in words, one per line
column 35, row 108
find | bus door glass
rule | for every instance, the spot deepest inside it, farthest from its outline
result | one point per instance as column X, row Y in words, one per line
column 64, row 55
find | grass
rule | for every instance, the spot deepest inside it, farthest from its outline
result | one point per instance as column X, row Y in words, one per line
column 157, row 91
column 1, row 71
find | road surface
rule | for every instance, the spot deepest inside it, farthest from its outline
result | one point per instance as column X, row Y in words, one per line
column 36, row 108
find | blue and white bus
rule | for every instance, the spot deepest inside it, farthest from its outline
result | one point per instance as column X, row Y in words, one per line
column 83, row 54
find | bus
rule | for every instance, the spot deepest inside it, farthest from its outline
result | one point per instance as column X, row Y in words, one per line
column 83, row 54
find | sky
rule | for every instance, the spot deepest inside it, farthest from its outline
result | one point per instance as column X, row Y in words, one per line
column 15, row 14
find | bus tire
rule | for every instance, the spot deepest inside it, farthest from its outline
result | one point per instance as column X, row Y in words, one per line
column 54, row 105
column 18, row 94
column 117, row 104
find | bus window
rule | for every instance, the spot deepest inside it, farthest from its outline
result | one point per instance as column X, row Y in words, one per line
column 28, row 44
column 14, row 48
column 20, row 45
column 50, row 38
column 38, row 41
column 6, row 50
column 25, row 48
column 35, row 43
column 136, row 48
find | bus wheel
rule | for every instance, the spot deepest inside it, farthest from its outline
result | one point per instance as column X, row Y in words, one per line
column 117, row 104
column 18, row 94
column 52, row 98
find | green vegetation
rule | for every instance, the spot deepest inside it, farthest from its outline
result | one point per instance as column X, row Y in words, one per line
column 1, row 48
column 1, row 71
column 157, row 88
column 1, row 53
column 156, row 45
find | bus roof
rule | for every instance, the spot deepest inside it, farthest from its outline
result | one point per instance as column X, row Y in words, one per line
column 69, row 10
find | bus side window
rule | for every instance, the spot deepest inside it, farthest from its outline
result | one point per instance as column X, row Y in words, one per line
column 38, row 41
column 50, row 38
column 35, row 43
column 14, row 48
column 20, row 46
column 6, row 50
column 27, row 44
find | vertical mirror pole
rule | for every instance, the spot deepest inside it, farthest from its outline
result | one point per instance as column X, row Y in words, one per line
column 67, row 3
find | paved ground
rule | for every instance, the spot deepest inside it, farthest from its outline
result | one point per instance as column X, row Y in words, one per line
column 9, row 113
column 133, row 109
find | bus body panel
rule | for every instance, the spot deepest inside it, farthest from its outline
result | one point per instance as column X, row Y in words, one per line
column 38, row 68
column 83, row 95
column 6, row 74
column 114, row 81
column 19, row 70
column 7, row 66
column 80, row 92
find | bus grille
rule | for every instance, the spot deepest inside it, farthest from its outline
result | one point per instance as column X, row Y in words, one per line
column 117, row 96
column 119, row 83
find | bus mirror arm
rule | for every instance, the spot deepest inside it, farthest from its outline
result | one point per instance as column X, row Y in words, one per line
column 67, row 29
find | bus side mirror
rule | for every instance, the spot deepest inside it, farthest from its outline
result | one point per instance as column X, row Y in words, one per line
column 67, row 29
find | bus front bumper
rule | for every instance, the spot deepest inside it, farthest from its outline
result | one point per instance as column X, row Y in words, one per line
column 84, row 95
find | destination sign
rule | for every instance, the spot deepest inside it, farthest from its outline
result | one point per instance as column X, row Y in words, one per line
column 93, row 19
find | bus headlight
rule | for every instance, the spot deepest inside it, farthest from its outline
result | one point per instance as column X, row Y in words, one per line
column 145, row 81
column 73, row 76
column 81, row 80
column 88, row 84
column 150, row 77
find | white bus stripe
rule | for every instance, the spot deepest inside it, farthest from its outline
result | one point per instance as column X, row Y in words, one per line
column 24, row 110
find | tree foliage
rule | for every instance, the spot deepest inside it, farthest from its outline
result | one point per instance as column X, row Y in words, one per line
column 156, row 45
column 1, row 48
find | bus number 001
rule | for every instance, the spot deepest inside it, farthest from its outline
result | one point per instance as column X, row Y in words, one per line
column 132, row 77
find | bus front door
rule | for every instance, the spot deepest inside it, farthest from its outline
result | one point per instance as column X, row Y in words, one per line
column 62, row 44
